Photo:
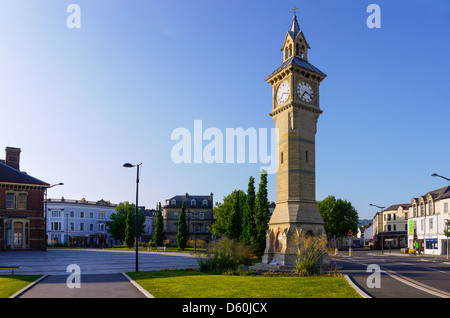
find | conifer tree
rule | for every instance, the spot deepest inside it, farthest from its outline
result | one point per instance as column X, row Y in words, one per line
column 158, row 237
column 130, row 227
column 182, row 235
column 262, row 215
column 248, row 219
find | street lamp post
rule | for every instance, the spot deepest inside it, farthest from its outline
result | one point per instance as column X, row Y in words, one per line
column 446, row 221
column 436, row 175
column 381, row 215
column 129, row 165
column 46, row 212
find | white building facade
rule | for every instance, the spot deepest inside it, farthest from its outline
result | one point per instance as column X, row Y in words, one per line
column 427, row 225
column 79, row 222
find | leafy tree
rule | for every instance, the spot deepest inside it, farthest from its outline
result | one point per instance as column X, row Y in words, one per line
column 118, row 223
column 248, row 219
column 339, row 216
column 234, row 226
column 228, row 215
column 262, row 215
column 116, row 226
column 182, row 235
column 158, row 236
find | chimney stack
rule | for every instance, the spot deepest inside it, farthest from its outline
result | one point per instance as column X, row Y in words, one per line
column 12, row 158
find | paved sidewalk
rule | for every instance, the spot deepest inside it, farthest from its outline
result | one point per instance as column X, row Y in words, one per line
column 92, row 286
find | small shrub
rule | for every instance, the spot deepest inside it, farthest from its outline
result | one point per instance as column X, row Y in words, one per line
column 310, row 255
column 223, row 255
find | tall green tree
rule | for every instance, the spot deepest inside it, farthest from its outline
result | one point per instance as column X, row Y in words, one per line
column 248, row 235
column 158, row 236
column 339, row 216
column 228, row 215
column 129, row 230
column 118, row 223
column 234, row 226
column 182, row 235
column 262, row 215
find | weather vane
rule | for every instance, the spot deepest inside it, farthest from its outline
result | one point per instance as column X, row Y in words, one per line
column 294, row 11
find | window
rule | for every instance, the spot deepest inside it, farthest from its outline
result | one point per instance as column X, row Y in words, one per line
column 431, row 244
column 72, row 214
column 82, row 226
column 430, row 204
column 91, row 227
column 422, row 209
column 10, row 201
column 91, row 215
column 18, row 233
column 201, row 215
column 406, row 215
column 306, row 156
column 193, row 202
column 102, row 215
column 173, row 202
column 81, row 214
column 16, row 201
column 445, row 206
column 430, row 224
column 281, row 157
column 56, row 213
column 72, row 226
column 56, row 226
column 22, row 203
column 175, row 215
column 205, row 202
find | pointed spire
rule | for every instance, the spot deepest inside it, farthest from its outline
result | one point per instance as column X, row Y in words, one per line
column 295, row 28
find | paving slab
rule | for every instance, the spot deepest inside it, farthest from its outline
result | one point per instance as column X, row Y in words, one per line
column 91, row 286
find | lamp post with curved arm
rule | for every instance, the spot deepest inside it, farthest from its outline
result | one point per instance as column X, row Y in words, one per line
column 446, row 222
column 129, row 165
column 381, row 215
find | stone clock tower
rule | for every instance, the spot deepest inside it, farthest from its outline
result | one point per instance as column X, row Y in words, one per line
column 295, row 111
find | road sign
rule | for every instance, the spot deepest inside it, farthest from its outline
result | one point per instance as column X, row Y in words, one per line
column 350, row 234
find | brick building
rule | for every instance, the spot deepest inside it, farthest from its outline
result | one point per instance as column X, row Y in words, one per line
column 22, row 222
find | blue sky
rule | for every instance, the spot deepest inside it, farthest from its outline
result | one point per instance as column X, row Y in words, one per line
column 81, row 102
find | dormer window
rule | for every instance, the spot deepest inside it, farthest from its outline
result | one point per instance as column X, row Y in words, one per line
column 173, row 202
column 205, row 202
column 193, row 202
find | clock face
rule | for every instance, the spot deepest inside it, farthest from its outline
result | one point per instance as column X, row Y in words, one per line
column 283, row 93
column 305, row 92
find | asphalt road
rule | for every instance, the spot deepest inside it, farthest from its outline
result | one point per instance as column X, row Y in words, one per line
column 92, row 261
column 400, row 275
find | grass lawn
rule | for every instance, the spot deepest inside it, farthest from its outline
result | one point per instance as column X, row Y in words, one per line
column 192, row 284
column 9, row 285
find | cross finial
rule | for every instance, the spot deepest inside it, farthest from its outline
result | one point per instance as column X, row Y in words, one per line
column 294, row 11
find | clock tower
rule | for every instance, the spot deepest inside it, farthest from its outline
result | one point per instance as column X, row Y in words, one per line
column 295, row 111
